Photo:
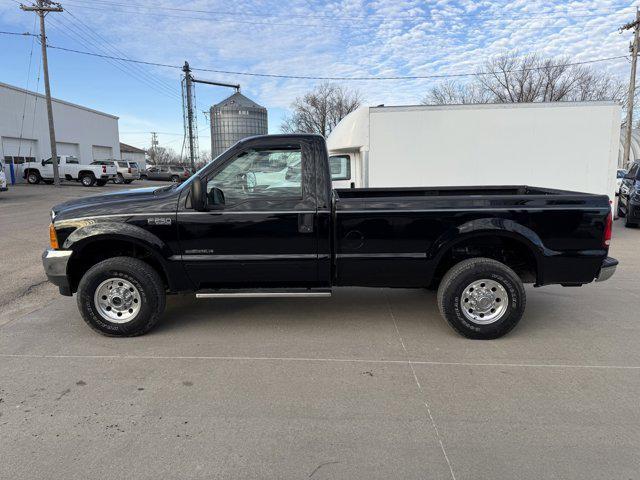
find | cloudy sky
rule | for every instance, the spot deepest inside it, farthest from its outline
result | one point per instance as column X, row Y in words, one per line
column 348, row 38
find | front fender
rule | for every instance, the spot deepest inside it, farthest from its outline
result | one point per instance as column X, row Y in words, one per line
column 89, row 231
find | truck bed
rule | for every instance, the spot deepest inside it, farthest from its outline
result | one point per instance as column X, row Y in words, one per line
column 397, row 235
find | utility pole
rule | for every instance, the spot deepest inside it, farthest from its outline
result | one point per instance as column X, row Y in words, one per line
column 154, row 146
column 188, row 86
column 635, row 25
column 42, row 7
column 188, row 101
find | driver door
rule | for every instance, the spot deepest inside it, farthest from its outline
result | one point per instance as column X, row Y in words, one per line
column 259, row 231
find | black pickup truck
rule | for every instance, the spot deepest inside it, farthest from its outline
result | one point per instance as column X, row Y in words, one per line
column 262, row 221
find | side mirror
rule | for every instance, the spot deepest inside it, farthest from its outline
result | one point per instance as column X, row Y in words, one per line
column 42, row 162
column 215, row 198
column 198, row 195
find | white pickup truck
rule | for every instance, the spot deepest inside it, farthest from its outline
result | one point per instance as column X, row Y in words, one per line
column 70, row 169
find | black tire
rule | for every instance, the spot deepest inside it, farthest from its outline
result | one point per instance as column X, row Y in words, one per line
column 453, row 288
column 144, row 278
column 48, row 182
column 88, row 180
column 127, row 182
column 620, row 213
column 175, row 178
column 629, row 224
column 33, row 177
column 101, row 183
column 119, row 179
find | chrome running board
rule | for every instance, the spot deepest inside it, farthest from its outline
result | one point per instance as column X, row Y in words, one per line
column 264, row 294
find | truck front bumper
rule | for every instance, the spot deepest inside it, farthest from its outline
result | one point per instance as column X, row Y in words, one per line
column 55, row 267
column 607, row 270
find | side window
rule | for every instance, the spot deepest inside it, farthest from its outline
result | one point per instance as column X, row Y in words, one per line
column 72, row 161
column 340, row 167
column 255, row 174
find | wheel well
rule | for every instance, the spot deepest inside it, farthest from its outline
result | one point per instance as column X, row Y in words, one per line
column 512, row 252
column 100, row 250
column 28, row 170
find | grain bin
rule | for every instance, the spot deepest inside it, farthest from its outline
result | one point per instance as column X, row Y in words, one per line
column 233, row 119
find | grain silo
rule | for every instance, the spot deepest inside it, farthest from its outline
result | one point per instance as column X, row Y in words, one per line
column 233, row 119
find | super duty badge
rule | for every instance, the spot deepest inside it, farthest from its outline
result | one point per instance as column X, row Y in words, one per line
column 159, row 221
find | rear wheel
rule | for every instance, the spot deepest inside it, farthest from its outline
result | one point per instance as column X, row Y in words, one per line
column 121, row 296
column 33, row 178
column 481, row 298
column 88, row 180
column 119, row 179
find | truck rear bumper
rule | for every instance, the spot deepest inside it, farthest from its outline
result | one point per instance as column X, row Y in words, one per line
column 607, row 270
column 55, row 267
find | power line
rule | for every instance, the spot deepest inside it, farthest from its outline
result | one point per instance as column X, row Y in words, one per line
column 153, row 11
column 116, row 62
column 92, row 32
column 311, row 77
column 549, row 13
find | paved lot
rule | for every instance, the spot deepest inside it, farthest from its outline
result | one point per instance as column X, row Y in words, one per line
column 367, row 384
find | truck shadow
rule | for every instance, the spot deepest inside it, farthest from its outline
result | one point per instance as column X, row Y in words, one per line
column 347, row 304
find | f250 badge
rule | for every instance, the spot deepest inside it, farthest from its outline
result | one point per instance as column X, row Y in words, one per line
column 158, row 221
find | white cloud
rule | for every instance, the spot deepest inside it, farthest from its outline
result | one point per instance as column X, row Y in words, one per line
column 353, row 38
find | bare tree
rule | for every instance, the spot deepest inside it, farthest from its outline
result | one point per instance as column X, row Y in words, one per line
column 512, row 78
column 163, row 156
column 320, row 110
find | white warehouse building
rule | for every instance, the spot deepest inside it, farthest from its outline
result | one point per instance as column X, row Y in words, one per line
column 24, row 130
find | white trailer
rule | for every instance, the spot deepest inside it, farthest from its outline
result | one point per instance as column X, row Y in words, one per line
column 567, row 145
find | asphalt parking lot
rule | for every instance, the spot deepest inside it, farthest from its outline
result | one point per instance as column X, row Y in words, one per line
column 370, row 383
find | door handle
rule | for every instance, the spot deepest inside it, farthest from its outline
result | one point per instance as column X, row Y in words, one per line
column 305, row 222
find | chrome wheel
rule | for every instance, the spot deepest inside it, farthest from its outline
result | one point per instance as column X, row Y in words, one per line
column 484, row 301
column 117, row 300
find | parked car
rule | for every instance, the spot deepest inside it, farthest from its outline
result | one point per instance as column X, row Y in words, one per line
column 69, row 168
column 171, row 173
column 629, row 199
column 223, row 233
column 134, row 169
column 124, row 173
column 620, row 173
column 3, row 177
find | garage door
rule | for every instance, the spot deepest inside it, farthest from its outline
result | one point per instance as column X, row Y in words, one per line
column 102, row 153
column 15, row 151
column 71, row 149
column 16, row 147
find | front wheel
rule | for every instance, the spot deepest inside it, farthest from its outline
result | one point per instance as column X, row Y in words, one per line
column 121, row 297
column 481, row 298
column 33, row 178
column 119, row 179
column 175, row 179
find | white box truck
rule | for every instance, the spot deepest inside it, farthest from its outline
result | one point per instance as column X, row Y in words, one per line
column 564, row 145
